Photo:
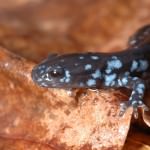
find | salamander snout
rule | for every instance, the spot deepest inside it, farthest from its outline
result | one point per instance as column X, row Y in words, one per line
column 47, row 76
column 38, row 75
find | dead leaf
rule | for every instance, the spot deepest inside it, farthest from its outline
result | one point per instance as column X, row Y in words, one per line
column 138, row 140
column 51, row 117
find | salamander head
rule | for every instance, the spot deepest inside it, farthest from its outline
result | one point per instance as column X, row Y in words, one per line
column 68, row 71
column 51, row 73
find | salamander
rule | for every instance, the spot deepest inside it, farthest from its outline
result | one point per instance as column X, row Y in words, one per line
column 129, row 68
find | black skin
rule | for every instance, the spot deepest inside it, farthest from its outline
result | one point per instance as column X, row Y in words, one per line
column 138, row 49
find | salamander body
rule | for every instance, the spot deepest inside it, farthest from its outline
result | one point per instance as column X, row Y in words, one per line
column 129, row 68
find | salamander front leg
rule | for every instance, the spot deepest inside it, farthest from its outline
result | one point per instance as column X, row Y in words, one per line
column 137, row 86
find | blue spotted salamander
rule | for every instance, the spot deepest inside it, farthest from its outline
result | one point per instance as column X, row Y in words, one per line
column 129, row 69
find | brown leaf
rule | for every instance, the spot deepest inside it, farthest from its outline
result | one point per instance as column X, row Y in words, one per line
column 51, row 117
column 146, row 114
column 137, row 140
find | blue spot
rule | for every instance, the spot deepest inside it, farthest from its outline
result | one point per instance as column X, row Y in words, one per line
column 94, row 57
column 114, row 57
column 96, row 74
column 41, row 71
column 134, row 65
column 67, row 80
column 76, row 64
column 88, row 66
column 124, row 80
column 108, row 70
column 133, row 42
column 119, row 82
column 114, row 64
column 109, row 79
column 142, row 86
column 135, row 78
column 58, row 67
column 81, row 57
column 91, row 82
column 48, row 68
column 81, row 84
column 39, row 79
column 133, row 101
column 42, row 67
column 48, row 79
column 140, row 91
column 62, row 80
column 113, row 83
column 67, row 74
column 126, row 73
column 45, row 76
column 143, row 65
column 44, row 84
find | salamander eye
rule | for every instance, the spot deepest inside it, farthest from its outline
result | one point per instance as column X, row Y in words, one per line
column 56, row 72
